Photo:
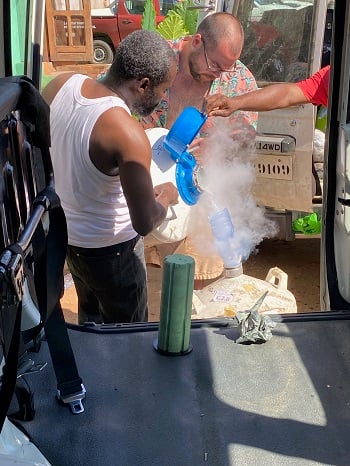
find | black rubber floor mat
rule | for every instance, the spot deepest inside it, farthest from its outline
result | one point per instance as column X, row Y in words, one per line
column 282, row 402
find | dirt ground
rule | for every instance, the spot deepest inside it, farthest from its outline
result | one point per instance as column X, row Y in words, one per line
column 299, row 259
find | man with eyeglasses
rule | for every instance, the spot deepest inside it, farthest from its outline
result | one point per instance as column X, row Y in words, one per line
column 208, row 63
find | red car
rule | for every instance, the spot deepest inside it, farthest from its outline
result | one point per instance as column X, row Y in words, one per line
column 110, row 25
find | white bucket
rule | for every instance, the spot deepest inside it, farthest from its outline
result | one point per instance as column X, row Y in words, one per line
column 227, row 296
column 174, row 227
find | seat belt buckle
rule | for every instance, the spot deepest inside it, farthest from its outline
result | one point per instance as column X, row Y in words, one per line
column 74, row 400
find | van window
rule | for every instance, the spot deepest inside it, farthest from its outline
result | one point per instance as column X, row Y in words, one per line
column 277, row 38
column 135, row 7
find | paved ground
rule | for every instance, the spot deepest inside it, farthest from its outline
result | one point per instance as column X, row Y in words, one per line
column 299, row 259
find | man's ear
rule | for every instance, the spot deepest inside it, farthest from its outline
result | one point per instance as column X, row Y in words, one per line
column 144, row 84
column 196, row 39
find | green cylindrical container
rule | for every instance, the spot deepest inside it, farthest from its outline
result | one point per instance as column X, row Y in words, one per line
column 176, row 306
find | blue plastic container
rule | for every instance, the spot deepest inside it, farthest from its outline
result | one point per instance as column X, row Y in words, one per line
column 184, row 130
column 181, row 134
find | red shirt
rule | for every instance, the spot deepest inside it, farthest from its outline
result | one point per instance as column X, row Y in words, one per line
column 315, row 88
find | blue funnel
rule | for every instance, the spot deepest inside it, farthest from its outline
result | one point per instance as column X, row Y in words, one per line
column 181, row 134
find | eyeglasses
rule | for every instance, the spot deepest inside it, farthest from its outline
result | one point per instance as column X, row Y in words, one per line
column 214, row 67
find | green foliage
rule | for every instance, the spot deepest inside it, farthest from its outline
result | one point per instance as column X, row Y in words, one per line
column 191, row 20
column 188, row 14
column 148, row 21
column 45, row 79
column 172, row 27
column 310, row 224
column 181, row 21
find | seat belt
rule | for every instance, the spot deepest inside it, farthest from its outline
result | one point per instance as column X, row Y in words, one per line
column 49, row 285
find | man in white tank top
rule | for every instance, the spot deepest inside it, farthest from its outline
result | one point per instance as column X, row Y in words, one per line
column 101, row 158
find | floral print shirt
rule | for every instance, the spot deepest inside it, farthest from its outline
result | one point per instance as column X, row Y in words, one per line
column 234, row 83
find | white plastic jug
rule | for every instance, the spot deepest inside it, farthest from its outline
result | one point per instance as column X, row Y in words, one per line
column 174, row 227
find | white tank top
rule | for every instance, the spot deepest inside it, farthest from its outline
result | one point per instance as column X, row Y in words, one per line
column 94, row 203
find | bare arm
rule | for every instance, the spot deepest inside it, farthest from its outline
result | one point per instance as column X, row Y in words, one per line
column 268, row 98
column 118, row 142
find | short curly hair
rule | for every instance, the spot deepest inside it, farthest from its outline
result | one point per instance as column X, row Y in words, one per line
column 142, row 54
